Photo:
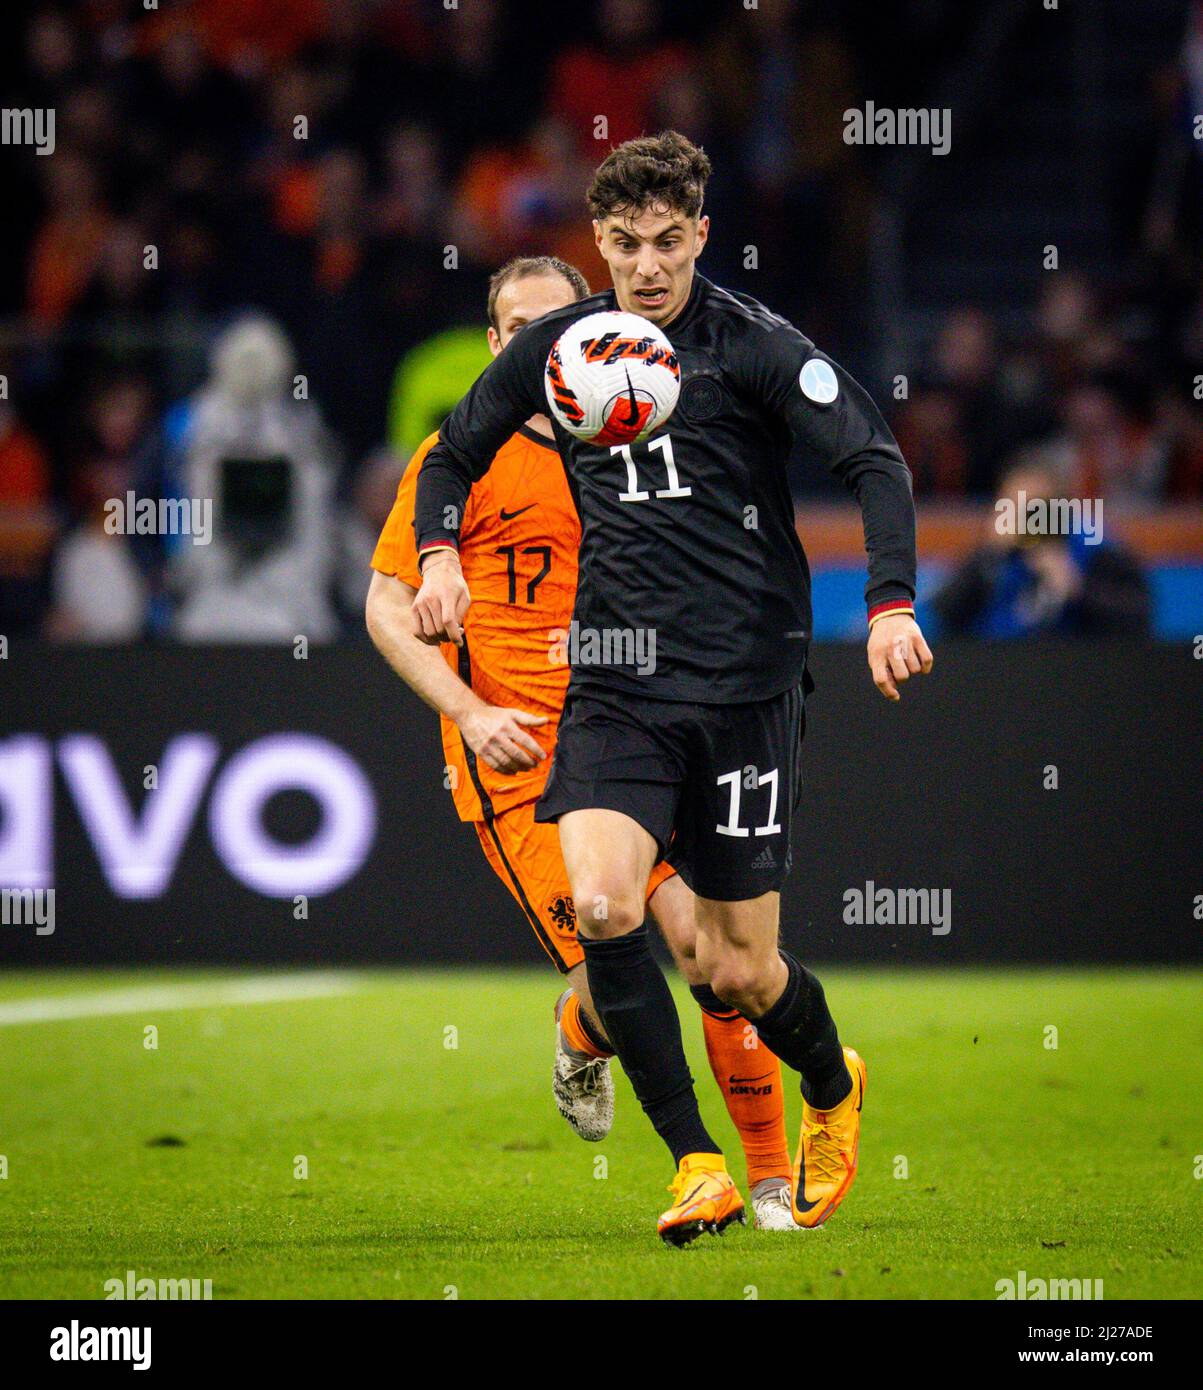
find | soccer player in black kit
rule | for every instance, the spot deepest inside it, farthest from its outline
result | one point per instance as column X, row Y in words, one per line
column 690, row 535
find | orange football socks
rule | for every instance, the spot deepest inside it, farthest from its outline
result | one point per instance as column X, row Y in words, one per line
column 750, row 1080
column 577, row 1036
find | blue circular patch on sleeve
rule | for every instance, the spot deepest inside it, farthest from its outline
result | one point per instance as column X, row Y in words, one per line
column 819, row 382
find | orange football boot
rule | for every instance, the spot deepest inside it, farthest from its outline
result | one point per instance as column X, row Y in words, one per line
column 706, row 1199
column 827, row 1151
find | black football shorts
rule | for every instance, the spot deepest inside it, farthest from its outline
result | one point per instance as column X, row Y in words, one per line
column 715, row 785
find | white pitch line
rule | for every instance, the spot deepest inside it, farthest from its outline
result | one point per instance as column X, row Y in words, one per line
column 255, row 989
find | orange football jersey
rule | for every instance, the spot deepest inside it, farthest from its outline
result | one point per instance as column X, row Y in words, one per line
column 518, row 548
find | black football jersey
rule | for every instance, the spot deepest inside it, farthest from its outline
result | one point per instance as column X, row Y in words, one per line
column 693, row 584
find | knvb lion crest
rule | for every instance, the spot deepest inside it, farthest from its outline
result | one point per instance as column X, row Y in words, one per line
column 562, row 911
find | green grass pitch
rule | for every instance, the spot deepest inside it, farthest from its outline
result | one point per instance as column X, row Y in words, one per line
column 434, row 1168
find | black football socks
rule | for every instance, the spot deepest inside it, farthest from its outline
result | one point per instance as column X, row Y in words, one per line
column 636, row 1009
column 711, row 1004
column 800, row 1030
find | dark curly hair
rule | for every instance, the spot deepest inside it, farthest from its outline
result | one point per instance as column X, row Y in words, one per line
column 665, row 170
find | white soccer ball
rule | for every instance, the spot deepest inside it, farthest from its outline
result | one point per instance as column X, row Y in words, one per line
column 612, row 378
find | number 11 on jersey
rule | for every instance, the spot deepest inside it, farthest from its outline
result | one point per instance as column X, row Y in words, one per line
column 634, row 493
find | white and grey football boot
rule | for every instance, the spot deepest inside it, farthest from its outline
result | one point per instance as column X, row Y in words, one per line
column 583, row 1086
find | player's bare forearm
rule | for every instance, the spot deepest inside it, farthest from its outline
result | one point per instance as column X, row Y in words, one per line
column 498, row 735
column 420, row 665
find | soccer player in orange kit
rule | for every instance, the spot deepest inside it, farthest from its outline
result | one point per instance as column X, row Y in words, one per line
column 500, row 696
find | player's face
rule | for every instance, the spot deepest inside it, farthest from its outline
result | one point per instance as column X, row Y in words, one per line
column 524, row 299
column 651, row 258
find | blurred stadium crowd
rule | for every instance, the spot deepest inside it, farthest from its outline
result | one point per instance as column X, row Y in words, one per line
column 265, row 230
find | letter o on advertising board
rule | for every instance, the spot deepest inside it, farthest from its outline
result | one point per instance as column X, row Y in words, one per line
column 292, row 762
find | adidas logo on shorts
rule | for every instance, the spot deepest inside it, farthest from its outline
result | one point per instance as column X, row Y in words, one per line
column 765, row 860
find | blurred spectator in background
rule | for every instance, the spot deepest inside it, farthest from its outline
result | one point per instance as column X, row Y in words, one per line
column 513, row 198
column 179, row 100
column 934, row 441
column 119, row 294
column 493, row 96
column 100, row 593
column 266, row 462
column 966, row 359
column 1070, row 326
column 372, row 500
column 54, row 58
column 1181, row 427
column 283, row 167
column 27, row 523
column 105, row 329
column 420, row 286
column 614, row 76
column 971, row 406
column 340, row 303
column 246, row 35
column 68, row 244
column 413, row 198
column 1027, row 585
column 1173, row 223
column 781, row 87
column 1107, row 446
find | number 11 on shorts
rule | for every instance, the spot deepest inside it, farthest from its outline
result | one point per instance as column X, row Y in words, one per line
column 749, row 778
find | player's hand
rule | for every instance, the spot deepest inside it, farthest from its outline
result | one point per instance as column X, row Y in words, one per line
column 1060, row 578
column 499, row 736
column 442, row 601
column 897, row 652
